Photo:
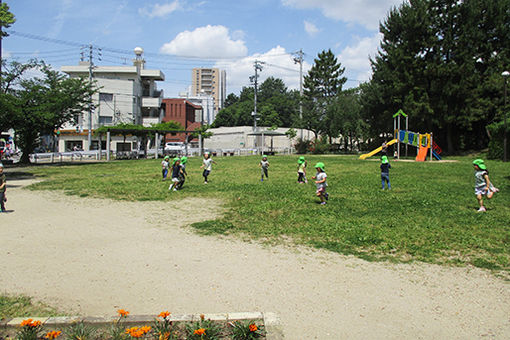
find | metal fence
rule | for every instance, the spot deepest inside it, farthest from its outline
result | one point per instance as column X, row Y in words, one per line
column 96, row 155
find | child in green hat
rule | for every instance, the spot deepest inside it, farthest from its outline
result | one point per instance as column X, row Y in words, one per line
column 301, row 170
column 320, row 182
column 183, row 173
column 385, row 172
column 264, row 166
column 176, row 172
column 165, row 166
column 483, row 185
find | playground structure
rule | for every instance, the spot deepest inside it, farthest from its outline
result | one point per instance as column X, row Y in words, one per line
column 424, row 142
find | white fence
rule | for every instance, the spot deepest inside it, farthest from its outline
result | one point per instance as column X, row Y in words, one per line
column 96, row 155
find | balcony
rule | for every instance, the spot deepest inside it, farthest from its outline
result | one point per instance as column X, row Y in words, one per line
column 151, row 102
column 148, row 121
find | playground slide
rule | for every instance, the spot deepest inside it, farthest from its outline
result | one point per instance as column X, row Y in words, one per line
column 373, row 152
column 422, row 154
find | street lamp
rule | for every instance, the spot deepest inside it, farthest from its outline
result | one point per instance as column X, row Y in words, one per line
column 505, row 75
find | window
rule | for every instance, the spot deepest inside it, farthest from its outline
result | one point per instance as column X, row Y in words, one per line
column 106, row 97
column 103, row 120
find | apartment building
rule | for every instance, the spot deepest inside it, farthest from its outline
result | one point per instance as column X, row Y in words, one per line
column 210, row 82
column 127, row 94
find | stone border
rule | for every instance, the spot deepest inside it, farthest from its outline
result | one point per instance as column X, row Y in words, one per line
column 272, row 322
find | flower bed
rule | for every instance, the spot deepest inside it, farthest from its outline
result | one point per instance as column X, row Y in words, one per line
column 162, row 327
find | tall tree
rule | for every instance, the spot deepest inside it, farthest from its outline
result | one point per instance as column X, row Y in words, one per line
column 40, row 105
column 321, row 85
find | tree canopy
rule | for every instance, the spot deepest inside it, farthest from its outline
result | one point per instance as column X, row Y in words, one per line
column 40, row 104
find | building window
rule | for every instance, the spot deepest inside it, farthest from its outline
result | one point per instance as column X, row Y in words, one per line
column 106, row 97
column 103, row 120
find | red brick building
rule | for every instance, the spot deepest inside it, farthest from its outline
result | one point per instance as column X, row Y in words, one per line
column 183, row 112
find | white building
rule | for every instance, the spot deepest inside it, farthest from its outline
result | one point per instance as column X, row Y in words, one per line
column 127, row 94
column 207, row 104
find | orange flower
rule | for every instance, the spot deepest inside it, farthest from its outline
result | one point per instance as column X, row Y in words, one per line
column 199, row 331
column 36, row 324
column 52, row 334
column 123, row 312
column 145, row 329
column 202, row 317
column 27, row 322
column 164, row 314
column 253, row 327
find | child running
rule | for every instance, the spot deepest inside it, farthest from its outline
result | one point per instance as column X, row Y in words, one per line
column 165, row 165
column 301, row 170
column 176, row 173
column 183, row 173
column 207, row 163
column 385, row 172
column 264, row 166
column 483, row 185
column 321, row 183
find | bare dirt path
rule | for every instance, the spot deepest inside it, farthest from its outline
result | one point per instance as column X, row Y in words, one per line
column 93, row 256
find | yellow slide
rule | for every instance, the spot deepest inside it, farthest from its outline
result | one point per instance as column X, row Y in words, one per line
column 373, row 152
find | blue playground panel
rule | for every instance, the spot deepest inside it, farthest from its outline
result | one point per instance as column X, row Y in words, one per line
column 401, row 135
column 436, row 155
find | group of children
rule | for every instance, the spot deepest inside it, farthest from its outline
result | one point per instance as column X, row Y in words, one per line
column 179, row 173
column 483, row 186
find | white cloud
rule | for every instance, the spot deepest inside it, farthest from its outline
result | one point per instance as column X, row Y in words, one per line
column 206, row 42
column 364, row 12
column 310, row 28
column 355, row 58
column 160, row 10
column 278, row 63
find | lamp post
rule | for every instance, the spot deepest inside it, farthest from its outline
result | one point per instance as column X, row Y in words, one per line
column 505, row 75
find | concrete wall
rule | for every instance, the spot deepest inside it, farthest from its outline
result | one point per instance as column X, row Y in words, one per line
column 239, row 138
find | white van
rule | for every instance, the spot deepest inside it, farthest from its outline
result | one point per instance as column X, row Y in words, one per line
column 175, row 146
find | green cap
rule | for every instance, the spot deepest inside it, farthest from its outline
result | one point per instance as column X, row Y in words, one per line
column 480, row 164
column 184, row 159
column 319, row 165
column 384, row 159
column 167, row 157
column 264, row 156
column 301, row 160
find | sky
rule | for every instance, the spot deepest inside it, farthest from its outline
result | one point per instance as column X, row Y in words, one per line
column 177, row 35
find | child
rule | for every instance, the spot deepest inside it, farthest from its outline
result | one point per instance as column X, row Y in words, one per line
column 321, row 183
column 165, row 165
column 301, row 170
column 183, row 173
column 264, row 165
column 207, row 163
column 3, row 198
column 483, row 186
column 176, row 173
column 385, row 172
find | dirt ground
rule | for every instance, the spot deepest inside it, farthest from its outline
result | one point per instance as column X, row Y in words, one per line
column 92, row 256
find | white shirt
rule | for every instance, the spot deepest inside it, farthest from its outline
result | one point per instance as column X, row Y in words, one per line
column 320, row 176
column 207, row 164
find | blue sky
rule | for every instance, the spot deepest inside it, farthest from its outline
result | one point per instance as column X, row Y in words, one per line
column 178, row 35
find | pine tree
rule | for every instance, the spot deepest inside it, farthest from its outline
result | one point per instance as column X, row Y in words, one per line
column 321, row 85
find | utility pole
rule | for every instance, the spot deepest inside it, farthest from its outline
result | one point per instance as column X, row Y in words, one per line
column 299, row 59
column 90, row 104
column 258, row 67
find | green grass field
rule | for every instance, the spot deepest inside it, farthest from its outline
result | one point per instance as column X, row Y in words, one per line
column 430, row 215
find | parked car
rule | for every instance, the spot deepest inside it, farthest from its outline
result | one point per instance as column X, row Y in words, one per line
column 175, row 147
